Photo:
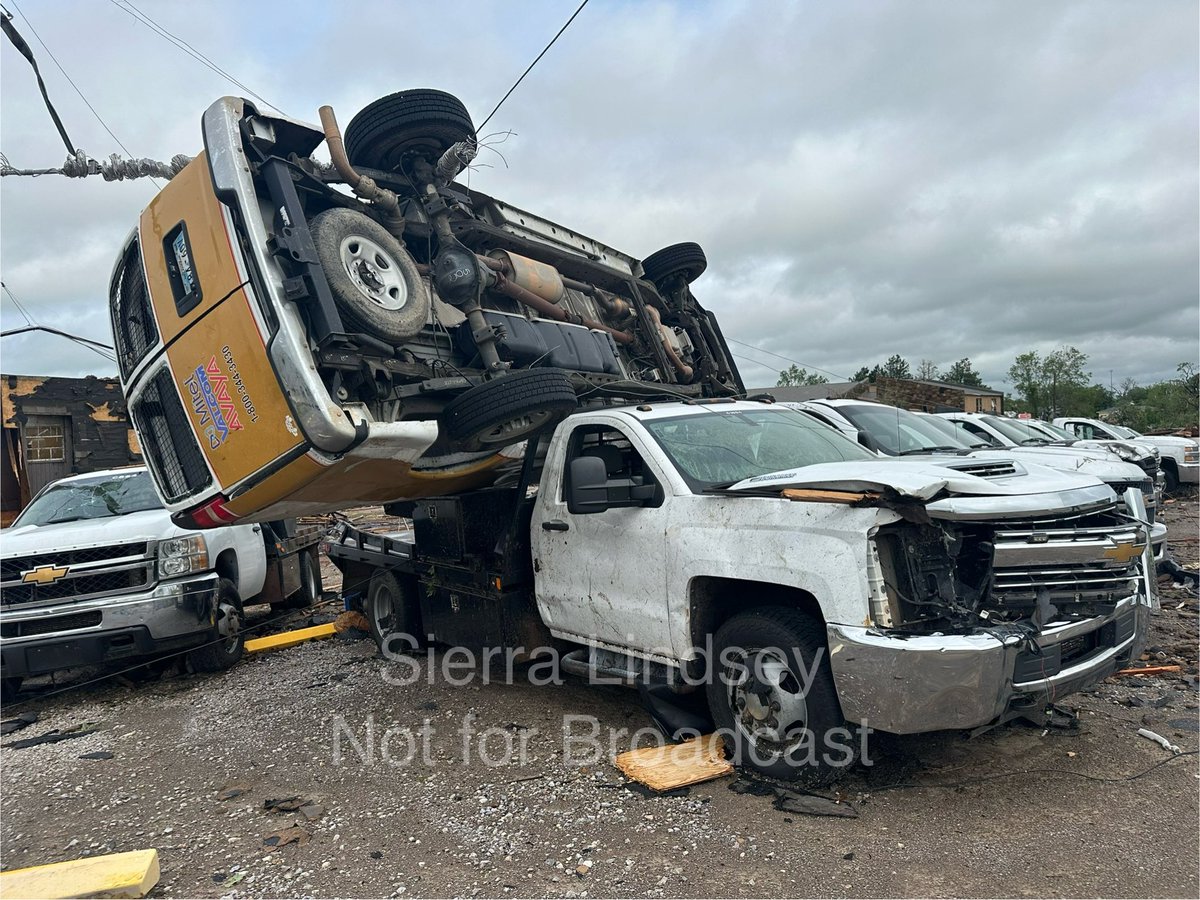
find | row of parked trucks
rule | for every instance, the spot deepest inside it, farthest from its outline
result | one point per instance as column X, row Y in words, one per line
column 566, row 431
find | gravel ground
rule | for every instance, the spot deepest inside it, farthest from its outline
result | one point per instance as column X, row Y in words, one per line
column 194, row 759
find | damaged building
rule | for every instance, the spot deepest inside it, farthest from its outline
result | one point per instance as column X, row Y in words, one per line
column 55, row 427
column 906, row 393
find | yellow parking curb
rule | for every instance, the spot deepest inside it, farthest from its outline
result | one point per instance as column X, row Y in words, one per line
column 289, row 638
column 130, row 874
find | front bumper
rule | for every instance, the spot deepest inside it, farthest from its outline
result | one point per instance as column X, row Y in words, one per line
column 1189, row 473
column 913, row 684
column 172, row 616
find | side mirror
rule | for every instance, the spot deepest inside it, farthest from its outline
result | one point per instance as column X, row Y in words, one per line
column 592, row 491
column 868, row 441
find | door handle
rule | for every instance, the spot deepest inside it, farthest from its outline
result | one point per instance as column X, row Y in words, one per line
column 555, row 525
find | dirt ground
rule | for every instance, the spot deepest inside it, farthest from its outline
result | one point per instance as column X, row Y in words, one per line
column 190, row 761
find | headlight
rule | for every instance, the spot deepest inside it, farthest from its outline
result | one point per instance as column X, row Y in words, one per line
column 1124, row 451
column 179, row 556
column 1191, row 454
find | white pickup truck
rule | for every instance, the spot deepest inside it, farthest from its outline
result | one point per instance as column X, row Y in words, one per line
column 93, row 571
column 803, row 582
column 1180, row 456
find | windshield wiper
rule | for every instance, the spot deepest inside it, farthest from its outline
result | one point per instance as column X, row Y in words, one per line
column 720, row 486
column 1037, row 442
column 938, row 447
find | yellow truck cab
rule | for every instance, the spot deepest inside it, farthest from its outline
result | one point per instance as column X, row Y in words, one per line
column 295, row 337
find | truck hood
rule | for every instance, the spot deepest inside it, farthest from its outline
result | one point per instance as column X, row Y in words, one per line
column 1165, row 440
column 148, row 525
column 1031, row 490
column 1099, row 463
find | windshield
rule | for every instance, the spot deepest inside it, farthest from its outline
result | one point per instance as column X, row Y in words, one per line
column 899, row 432
column 1123, row 432
column 95, row 498
column 1017, row 431
column 951, row 430
column 1051, row 431
column 722, row 448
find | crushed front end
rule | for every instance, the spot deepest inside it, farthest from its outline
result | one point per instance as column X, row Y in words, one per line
column 983, row 611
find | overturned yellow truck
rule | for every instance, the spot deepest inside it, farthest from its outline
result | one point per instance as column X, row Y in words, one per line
column 296, row 337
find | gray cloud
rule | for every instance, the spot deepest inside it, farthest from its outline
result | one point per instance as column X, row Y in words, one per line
column 933, row 179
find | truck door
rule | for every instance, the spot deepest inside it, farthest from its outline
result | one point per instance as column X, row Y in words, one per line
column 603, row 575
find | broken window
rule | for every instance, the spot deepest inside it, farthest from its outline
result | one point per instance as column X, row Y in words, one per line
column 45, row 443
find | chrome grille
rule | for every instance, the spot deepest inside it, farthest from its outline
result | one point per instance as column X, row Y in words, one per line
column 90, row 572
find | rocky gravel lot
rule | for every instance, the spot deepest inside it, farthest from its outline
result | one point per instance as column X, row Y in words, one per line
column 189, row 764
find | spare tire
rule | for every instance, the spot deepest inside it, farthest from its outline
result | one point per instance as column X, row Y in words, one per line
column 374, row 281
column 508, row 409
column 416, row 123
column 685, row 259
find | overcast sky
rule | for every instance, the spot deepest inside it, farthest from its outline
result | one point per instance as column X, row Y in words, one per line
column 938, row 179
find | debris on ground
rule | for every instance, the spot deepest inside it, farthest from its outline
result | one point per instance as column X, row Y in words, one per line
column 54, row 736
column 676, row 765
column 293, row 835
column 131, row 874
column 792, row 801
column 24, row 720
column 285, row 804
column 1158, row 739
column 99, row 754
column 1148, row 670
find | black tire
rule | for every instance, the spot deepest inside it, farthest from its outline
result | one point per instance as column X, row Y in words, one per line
column 508, row 409
column 9, row 689
column 782, row 643
column 1170, row 479
column 686, row 259
column 374, row 280
column 219, row 655
column 310, row 582
column 417, row 123
column 392, row 614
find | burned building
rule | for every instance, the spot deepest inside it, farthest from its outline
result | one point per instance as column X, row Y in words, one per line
column 55, row 427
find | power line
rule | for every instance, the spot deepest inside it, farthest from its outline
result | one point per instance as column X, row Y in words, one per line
column 95, row 346
column 20, row 306
column 785, row 359
column 129, row 9
column 50, row 53
column 10, row 32
column 534, row 63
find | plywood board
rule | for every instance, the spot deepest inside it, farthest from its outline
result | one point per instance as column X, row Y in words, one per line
column 676, row 765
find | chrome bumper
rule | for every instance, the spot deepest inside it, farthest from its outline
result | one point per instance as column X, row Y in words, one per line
column 169, row 610
column 908, row 685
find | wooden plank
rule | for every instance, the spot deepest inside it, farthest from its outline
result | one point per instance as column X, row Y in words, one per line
column 675, row 765
column 1148, row 670
column 289, row 638
column 130, row 874
column 812, row 495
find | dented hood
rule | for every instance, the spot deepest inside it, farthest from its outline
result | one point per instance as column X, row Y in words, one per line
column 959, row 495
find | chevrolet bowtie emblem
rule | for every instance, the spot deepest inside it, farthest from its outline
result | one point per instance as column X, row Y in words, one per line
column 44, row 574
column 1123, row 553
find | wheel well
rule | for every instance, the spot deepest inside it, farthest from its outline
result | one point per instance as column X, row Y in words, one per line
column 714, row 600
column 227, row 566
column 1168, row 462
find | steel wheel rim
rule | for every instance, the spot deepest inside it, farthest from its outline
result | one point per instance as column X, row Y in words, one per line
column 768, row 703
column 382, row 611
column 229, row 625
column 374, row 272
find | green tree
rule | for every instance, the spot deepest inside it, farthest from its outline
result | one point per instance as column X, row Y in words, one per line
column 861, row 375
column 962, row 372
column 1047, row 383
column 793, row 376
column 896, row 367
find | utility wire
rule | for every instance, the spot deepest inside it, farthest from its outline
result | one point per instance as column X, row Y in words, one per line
column 95, row 346
column 785, row 359
column 19, row 305
column 19, row 42
column 532, row 64
column 129, row 9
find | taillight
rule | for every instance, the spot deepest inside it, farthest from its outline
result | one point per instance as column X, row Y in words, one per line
column 212, row 514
